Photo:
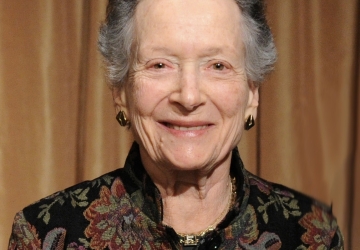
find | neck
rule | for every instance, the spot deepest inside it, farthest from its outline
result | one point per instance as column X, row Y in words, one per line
column 193, row 200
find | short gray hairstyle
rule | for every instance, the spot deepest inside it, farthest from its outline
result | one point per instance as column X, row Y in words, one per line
column 116, row 40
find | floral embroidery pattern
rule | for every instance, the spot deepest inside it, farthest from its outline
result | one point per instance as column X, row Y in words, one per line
column 280, row 199
column 122, row 210
column 55, row 239
column 77, row 197
column 24, row 236
column 249, row 233
column 320, row 229
column 74, row 246
column 114, row 223
column 261, row 185
column 268, row 241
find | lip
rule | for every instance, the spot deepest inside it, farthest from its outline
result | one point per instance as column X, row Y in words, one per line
column 192, row 128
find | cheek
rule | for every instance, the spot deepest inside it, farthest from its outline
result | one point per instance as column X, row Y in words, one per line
column 232, row 100
column 141, row 101
column 144, row 97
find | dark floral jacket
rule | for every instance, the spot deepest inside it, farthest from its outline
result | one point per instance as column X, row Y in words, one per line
column 123, row 210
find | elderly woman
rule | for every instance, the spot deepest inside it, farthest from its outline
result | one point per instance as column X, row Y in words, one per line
column 185, row 77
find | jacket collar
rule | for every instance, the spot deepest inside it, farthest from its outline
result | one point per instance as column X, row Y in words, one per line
column 150, row 203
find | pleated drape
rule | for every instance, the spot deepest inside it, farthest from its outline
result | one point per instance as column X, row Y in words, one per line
column 57, row 124
column 353, row 218
column 40, row 62
column 307, row 111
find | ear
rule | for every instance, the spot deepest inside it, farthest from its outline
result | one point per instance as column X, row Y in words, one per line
column 119, row 97
column 253, row 101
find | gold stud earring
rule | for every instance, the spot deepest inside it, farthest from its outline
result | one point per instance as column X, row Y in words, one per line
column 249, row 123
column 121, row 118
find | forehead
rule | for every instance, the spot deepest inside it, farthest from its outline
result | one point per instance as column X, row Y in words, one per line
column 192, row 23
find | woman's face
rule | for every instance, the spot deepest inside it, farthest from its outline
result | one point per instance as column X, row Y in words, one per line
column 188, row 95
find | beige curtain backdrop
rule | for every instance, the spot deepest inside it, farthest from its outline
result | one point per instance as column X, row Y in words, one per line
column 57, row 121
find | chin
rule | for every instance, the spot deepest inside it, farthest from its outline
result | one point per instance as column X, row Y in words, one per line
column 191, row 162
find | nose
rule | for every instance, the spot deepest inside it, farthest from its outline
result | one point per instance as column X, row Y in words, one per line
column 188, row 93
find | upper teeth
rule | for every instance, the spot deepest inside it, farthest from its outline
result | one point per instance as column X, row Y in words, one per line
column 186, row 128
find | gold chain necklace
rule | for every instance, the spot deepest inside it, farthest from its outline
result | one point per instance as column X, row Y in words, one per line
column 193, row 239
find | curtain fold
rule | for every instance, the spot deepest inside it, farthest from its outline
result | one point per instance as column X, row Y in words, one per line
column 306, row 112
column 353, row 216
column 105, row 144
column 57, row 118
column 39, row 62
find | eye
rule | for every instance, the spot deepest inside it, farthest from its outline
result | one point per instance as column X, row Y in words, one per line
column 218, row 66
column 159, row 66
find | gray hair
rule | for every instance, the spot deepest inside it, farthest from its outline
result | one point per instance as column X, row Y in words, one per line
column 116, row 40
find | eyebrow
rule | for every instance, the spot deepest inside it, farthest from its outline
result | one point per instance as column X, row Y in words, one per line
column 206, row 52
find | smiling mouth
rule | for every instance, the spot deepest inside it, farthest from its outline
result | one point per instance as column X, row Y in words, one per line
column 185, row 128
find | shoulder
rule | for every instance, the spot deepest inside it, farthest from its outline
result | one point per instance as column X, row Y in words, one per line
column 293, row 216
column 66, row 212
column 266, row 189
column 74, row 198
